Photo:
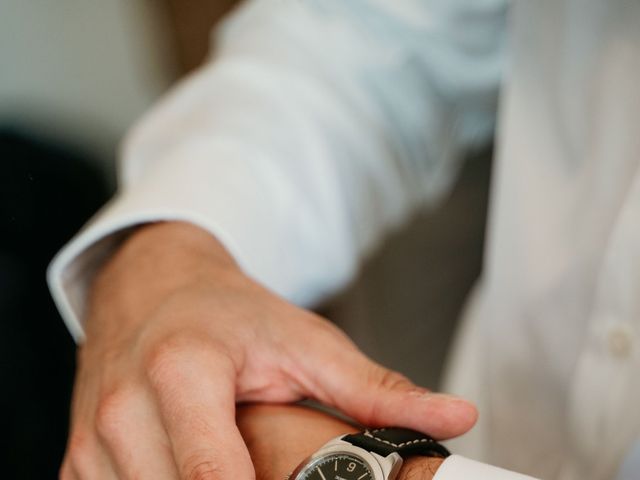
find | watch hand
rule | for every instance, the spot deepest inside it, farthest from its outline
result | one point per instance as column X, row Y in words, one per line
column 321, row 474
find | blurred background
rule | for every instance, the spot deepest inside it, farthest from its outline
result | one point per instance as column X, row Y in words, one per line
column 73, row 77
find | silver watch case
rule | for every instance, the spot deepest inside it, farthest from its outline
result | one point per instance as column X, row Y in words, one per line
column 383, row 468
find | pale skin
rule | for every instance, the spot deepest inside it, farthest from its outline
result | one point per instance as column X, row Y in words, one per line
column 177, row 335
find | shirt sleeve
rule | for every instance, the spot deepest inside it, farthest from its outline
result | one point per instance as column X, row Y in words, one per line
column 316, row 127
column 457, row 467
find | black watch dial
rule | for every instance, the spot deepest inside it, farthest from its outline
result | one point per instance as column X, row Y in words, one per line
column 339, row 466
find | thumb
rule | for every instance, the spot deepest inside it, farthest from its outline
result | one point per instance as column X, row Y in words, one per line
column 376, row 396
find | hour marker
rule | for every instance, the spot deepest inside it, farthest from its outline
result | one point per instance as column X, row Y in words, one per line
column 321, row 474
column 362, row 476
column 335, row 465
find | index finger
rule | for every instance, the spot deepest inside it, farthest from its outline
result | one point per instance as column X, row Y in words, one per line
column 196, row 399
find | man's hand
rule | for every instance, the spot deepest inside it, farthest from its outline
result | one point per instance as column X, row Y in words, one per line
column 279, row 437
column 177, row 334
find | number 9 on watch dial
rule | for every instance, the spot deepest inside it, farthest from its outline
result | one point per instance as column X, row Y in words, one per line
column 339, row 466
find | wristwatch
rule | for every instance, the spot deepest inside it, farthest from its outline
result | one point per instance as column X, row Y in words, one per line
column 368, row 455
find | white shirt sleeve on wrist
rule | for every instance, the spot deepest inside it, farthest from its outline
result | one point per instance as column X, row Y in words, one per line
column 457, row 467
column 173, row 190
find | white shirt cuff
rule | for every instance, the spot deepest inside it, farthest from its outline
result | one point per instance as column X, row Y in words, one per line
column 178, row 189
column 456, row 467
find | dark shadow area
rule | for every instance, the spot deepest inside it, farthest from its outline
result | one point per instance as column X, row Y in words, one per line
column 46, row 193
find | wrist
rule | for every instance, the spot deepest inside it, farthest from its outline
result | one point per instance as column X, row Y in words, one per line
column 279, row 437
column 188, row 245
column 155, row 261
column 419, row 468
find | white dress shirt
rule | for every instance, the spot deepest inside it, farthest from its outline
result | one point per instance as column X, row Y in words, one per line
column 320, row 125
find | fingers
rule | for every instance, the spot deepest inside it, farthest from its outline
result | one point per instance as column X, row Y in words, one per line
column 194, row 406
column 86, row 459
column 345, row 378
column 196, row 398
column 130, row 430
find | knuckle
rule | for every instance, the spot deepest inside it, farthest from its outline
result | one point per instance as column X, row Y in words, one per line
column 169, row 359
column 164, row 361
column 386, row 379
column 382, row 382
column 112, row 412
column 198, row 467
column 78, row 457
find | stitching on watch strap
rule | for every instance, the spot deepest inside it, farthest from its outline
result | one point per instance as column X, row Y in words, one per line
column 370, row 433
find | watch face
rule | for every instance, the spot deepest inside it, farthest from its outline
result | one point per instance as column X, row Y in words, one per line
column 339, row 466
